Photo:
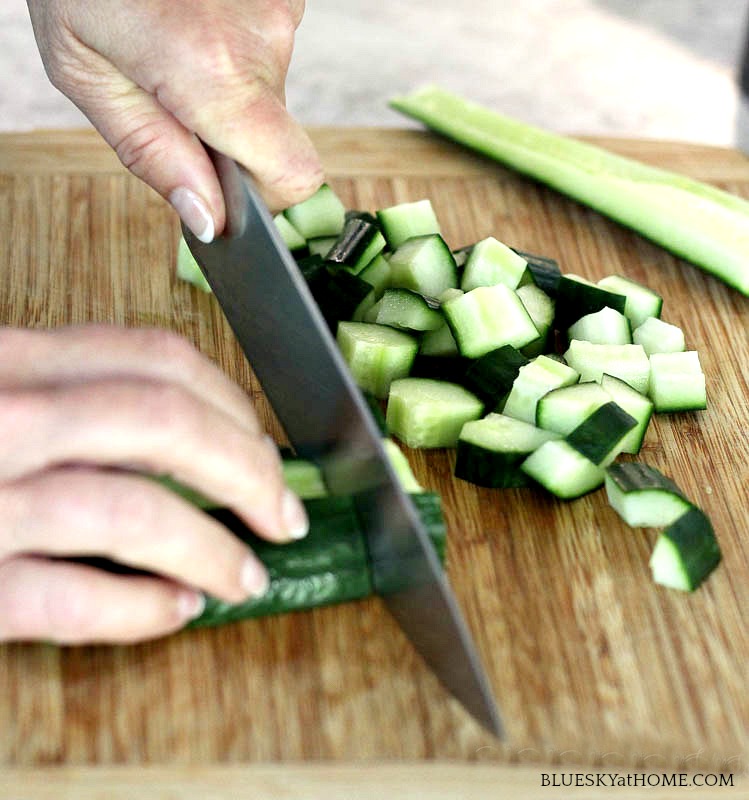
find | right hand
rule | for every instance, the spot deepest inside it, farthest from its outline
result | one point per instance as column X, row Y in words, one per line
column 83, row 408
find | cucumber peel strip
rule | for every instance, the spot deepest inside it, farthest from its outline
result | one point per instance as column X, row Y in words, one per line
column 699, row 222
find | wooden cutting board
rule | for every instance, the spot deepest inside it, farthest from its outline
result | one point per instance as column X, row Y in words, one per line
column 591, row 662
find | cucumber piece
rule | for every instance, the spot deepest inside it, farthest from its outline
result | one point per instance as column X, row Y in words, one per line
column 606, row 326
column 323, row 214
column 423, row 264
column 402, row 467
column 635, row 404
column 577, row 297
column 563, row 470
column 657, row 336
column 563, row 409
column 490, row 451
column 487, row 318
column 339, row 295
column 534, row 380
column 321, row 245
column 359, row 242
column 407, row 310
column 376, row 355
column 377, row 275
column 644, row 497
column 640, row 303
column 491, row 376
column 290, row 235
column 599, row 436
column 428, row 413
column 626, row 361
column 491, row 262
column 686, row 552
column 540, row 308
column 407, row 220
column 699, row 222
column 439, row 342
column 545, row 271
column 677, row 382
column 304, row 478
column 188, row 269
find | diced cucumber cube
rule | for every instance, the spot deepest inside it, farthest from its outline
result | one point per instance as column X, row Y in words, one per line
column 534, row 380
column 491, row 262
column 657, row 336
column 677, row 382
column 406, row 220
column 323, row 214
column 423, row 264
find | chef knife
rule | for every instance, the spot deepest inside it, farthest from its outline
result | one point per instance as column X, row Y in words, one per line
column 291, row 350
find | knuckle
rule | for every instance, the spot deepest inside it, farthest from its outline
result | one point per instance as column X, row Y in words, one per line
column 142, row 145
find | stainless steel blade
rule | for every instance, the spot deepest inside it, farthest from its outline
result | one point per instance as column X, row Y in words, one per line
column 292, row 352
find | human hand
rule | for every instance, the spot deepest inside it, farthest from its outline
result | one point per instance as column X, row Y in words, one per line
column 77, row 402
column 154, row 75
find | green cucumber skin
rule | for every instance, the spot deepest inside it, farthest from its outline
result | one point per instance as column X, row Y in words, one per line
column 699, row 222
column 488, row 468
column 596, row 437
column 330, row 565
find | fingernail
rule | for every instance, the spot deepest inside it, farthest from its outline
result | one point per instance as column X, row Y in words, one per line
column 190, row 605
column 193, row 212
column 294, row 515
column 254, row 577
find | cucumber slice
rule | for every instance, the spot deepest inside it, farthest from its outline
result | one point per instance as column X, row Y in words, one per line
column 491, row 376
column 599, row 436
column 490, row 450
column 323, row 214
column 409, row 311
column 303, row 478
column 606, row 326
column 429, row 413
column 423, row 264
column 562, row 470
column 626, row 361
column 402, row 467
column 534, row 380
column 686, row 552
column 376, row 355
column 487, row 318
column 540, row 308
column 290, row 235
column 635, row 404
column 577, row 297
column 640, row 303
column 644, row 497
column 657, row 336
column 188, row 269
column 407, row 220
column 699, row 222
column 677, row 382
column 563, row 409
column 491, row 262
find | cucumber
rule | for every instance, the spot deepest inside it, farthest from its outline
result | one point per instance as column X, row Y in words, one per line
column 491, row 262
column 599, row 436
column 644, row 497
column 490, row 450
column 408, row 311
column 677, row 382
column 705, row 225
column 359, row 242
column 292, row 238
column 339, row 295
column 563, row 470
column 407, row 220
column 534, row 380
column 626, row 361
column 321, row 215
column 577, row 297
column 428, row 413
column 563, row 409
column 657, row 336
column 491, row 376
column 188, row 269
column 423, row 264
column 321, row 245
column 377, row 275
column 606, row 326
column 545, row 271
column 540, row 308
column 636, row 405
column 487, row 318
column 376, row 355
column 686, row 552
column 640, row 303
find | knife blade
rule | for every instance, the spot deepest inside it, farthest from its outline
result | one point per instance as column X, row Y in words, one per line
column 294, row 356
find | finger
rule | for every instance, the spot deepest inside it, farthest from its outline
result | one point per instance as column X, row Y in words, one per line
column 90, row 352
column 76, row 511
column 160, row 428
column 76, row 604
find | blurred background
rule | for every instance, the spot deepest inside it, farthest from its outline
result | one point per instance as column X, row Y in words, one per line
column 650, row 68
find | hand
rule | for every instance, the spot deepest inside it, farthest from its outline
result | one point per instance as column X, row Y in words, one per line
column 78, row 402
column 153, row 75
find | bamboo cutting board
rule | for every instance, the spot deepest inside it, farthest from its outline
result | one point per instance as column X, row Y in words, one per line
column 591, row 662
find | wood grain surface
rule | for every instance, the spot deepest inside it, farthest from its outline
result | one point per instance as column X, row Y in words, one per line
column 591, row 662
